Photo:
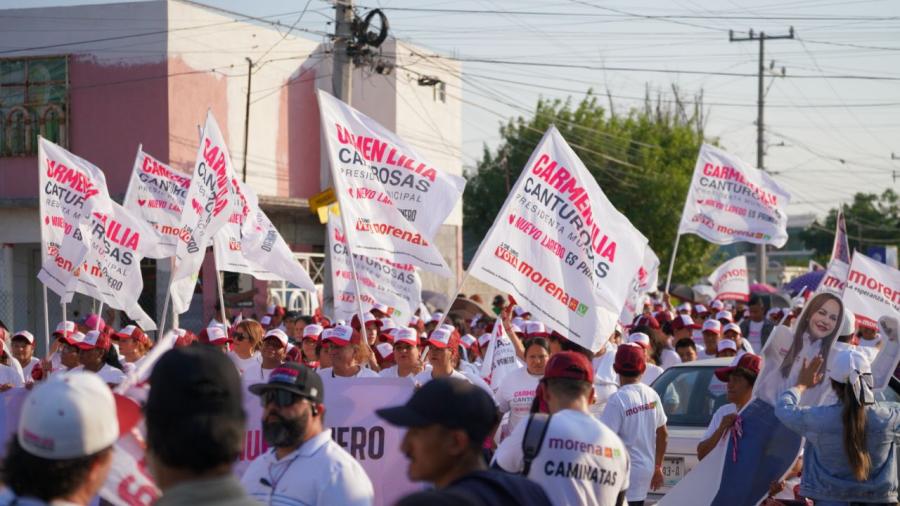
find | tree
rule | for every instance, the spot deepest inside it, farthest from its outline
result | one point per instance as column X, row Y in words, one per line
column 872, row 220
column 643, row 162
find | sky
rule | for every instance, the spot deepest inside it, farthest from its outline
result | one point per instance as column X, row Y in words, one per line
column 831, row 122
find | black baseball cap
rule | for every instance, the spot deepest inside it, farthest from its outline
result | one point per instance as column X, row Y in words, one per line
column 194, row 381
column 449, row 402
column 295, row 378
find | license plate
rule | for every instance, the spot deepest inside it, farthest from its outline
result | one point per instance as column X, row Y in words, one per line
column 672, row 470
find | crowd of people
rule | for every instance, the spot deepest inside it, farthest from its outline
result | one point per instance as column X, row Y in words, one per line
column 564, row 425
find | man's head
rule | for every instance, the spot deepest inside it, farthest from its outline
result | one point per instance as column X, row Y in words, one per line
column 406, row 351
column 344, row 346
column 757, row 308
column 682, row 326
column 194, row 415
column 568, row 378
column 293, row 406
column 62, row 450
column 274, row 348
column 631, row 361
column 712, row 332
column 741, row 377
column 447, row 420
column 686, row 349
column 726, row 348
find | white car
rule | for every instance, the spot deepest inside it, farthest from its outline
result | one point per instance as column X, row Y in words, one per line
column 691, row 393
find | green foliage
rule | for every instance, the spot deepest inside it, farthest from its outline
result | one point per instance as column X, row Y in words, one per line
column 872, row 217
column 643, row 162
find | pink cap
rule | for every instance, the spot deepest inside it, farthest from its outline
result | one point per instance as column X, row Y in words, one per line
column 406, row 335
column 440, row 338
column 342, row 335
column 91, row 322
column 94, row 339
column 312, row 331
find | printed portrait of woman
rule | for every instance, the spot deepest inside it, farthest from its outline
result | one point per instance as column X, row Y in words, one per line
column 814, row 334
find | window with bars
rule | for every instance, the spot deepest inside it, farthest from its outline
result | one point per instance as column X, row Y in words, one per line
column 34, row 100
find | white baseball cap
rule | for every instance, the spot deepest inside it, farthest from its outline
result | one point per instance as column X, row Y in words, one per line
column 718, row 305
column 387, row 324
column 700, row 309
column 467, row 340
column 66, row 328
column 312, row 331
column 685, row 307
column 518, row 321
column 640, row 338
column 406, row 335
column 69, row 416
column 447, row 327
column 727, row 344
column 217, row 335
column 484, row 339
column 724, row 315
column 732, row 326
column 712, row 326
column 25, row 335
column 535, row 329
column 436, row 316
column 277, row 334
column 380, row 307
column 440, row 338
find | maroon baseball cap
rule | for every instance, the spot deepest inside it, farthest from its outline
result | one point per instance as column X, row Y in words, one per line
column 630, row 359
column 748, row 361
column 647, row 321
column 684, row 321
column 570, row 365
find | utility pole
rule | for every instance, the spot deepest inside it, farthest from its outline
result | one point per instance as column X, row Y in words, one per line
column 761, row 260
column 342, row 73
column 247, row 119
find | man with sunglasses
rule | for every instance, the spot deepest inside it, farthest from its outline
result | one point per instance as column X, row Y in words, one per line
column 303, row 465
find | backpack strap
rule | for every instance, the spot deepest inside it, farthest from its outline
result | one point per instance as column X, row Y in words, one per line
column 534, row 438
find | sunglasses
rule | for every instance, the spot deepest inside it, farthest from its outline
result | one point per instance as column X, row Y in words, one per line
column 240, row 336
column 281, row 398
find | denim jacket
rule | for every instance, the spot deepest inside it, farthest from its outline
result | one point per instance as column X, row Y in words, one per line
column 826, row 469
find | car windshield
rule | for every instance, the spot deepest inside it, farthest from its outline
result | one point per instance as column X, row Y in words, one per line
column 690, row 395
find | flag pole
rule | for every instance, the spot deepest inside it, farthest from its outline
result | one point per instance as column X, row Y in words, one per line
column 99, row 313
column 221, row 292
column 46, row 323
column 672, row 263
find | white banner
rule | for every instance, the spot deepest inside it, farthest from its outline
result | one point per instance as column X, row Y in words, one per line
column 227, row 242
column 731, row 201
column 111, row 271
column 646, row 280
column 156, row 193
column 71, row 190
column 872, row 291
column 208, row 207
column 561, row 248
column 394, row 199
column 350, row 406
column 499, row 358
column 731, row 280
column 261, row 240
column 129, row 482
column 397, row 286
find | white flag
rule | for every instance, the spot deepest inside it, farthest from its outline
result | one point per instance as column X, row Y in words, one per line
column 71, row 189
column 561, row 247
column 111, row 271
column 227, row 242
column 397, row 286
column 499, row 357
column 394, row 199
column 156, row 193
column 208, row 207
column 262, row 241
column 731, row 281
column 731, row 201
column 644, row 281
column 872, row 291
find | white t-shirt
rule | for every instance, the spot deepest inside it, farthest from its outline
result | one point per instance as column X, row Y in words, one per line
column 634, row 413
column 668, row 357
column 8, row 375
column 651, row 373
column 425, row 376
column 107, row 373
column 581, row 461
column 26, row 370
column 244, row 364
column 394, row 372
column 318, row 473
column 515, row 395
column 754, row 335
column 363, row 372
column 724, row 410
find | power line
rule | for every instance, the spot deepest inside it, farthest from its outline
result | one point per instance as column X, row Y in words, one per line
column 625, row 14
column 655, row 70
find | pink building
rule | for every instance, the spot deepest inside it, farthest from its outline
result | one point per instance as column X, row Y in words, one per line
column 102, row 79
